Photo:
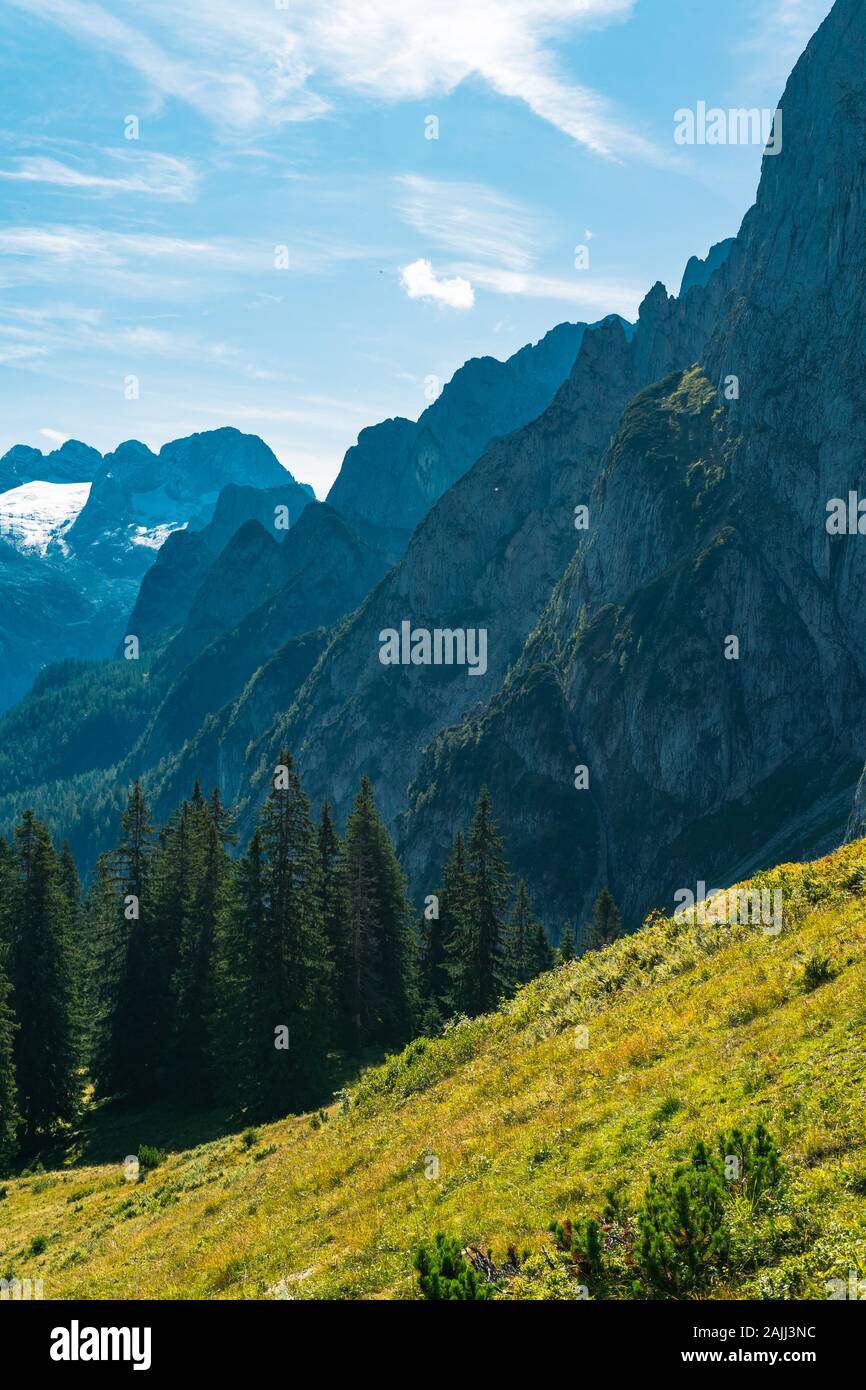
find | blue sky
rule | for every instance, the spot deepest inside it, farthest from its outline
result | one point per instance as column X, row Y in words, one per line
column 302, row 125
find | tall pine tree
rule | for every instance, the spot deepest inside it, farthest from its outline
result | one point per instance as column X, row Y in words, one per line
column 128, row 1062
column 438, row 935
column 479, row 974
column 247, row 991
column 8, row 1090
column 605, row 925
column 381, row 979
column 197, row 862
column 42, row 964
column 566, row 951
column 332, row 896
column 290, row 948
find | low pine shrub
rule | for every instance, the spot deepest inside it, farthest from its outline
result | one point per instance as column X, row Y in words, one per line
column 443, row 1274
column 149, row 1156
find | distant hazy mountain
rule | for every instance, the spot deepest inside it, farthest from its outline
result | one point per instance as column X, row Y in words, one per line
column 73, row 462
column 79, row 531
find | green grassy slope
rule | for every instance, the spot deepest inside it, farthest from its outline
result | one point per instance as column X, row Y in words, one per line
column 691, row 1028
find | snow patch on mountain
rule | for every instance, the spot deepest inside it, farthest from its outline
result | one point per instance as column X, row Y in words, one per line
column 37, row 515
column 154, row 536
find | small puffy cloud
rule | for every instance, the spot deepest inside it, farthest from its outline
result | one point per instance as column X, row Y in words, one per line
column 420, row 281
column 54, row 437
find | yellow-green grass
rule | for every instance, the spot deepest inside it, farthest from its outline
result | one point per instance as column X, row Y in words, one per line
column 691, row 1028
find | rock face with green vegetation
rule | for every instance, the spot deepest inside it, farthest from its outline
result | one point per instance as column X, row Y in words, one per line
column 594, row 1087
column 486, row 556
column 703, row 653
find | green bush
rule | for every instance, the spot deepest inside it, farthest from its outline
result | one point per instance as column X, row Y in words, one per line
column 443, row 1274
column 680, row 1220
column 677, row 1240
column 582, row 1242
column 817, row 970
column 149, row 1157
column 758, row 1167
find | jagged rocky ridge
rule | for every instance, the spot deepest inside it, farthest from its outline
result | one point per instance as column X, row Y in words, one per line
column 399, row 468
column 487, row 555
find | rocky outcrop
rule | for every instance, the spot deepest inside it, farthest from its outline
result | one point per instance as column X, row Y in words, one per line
column 699, row 271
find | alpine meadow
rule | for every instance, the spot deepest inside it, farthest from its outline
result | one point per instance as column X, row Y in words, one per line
column 433, row 851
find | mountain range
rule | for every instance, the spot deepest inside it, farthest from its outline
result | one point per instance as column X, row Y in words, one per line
column 634, row 516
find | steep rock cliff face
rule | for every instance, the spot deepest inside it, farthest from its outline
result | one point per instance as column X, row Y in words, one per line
column 708, row 523
column 487, row 556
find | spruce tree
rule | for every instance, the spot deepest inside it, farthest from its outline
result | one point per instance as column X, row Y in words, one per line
column 479, row 976
column 247, row 987
column 541, row 955
column 438, row 935
column 381, row 976
column 81, row 965
column 129, row 1062
column 332, row 898
column 566, row 951
column 196, row 869
column 42, row 973
column 9, row 1117
column 106, row 934
column 519, row 940
column 605, row 925
column 295, row 947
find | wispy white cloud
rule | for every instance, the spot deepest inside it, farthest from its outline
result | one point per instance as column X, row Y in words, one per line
column 11, row 353
column 242, row 64
column 54, row 437
column 136, row 264
column 594, row 295
column 30, row 334
column 420, row 281
column 236, row 65
column 158, row 175
column 470, row 220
